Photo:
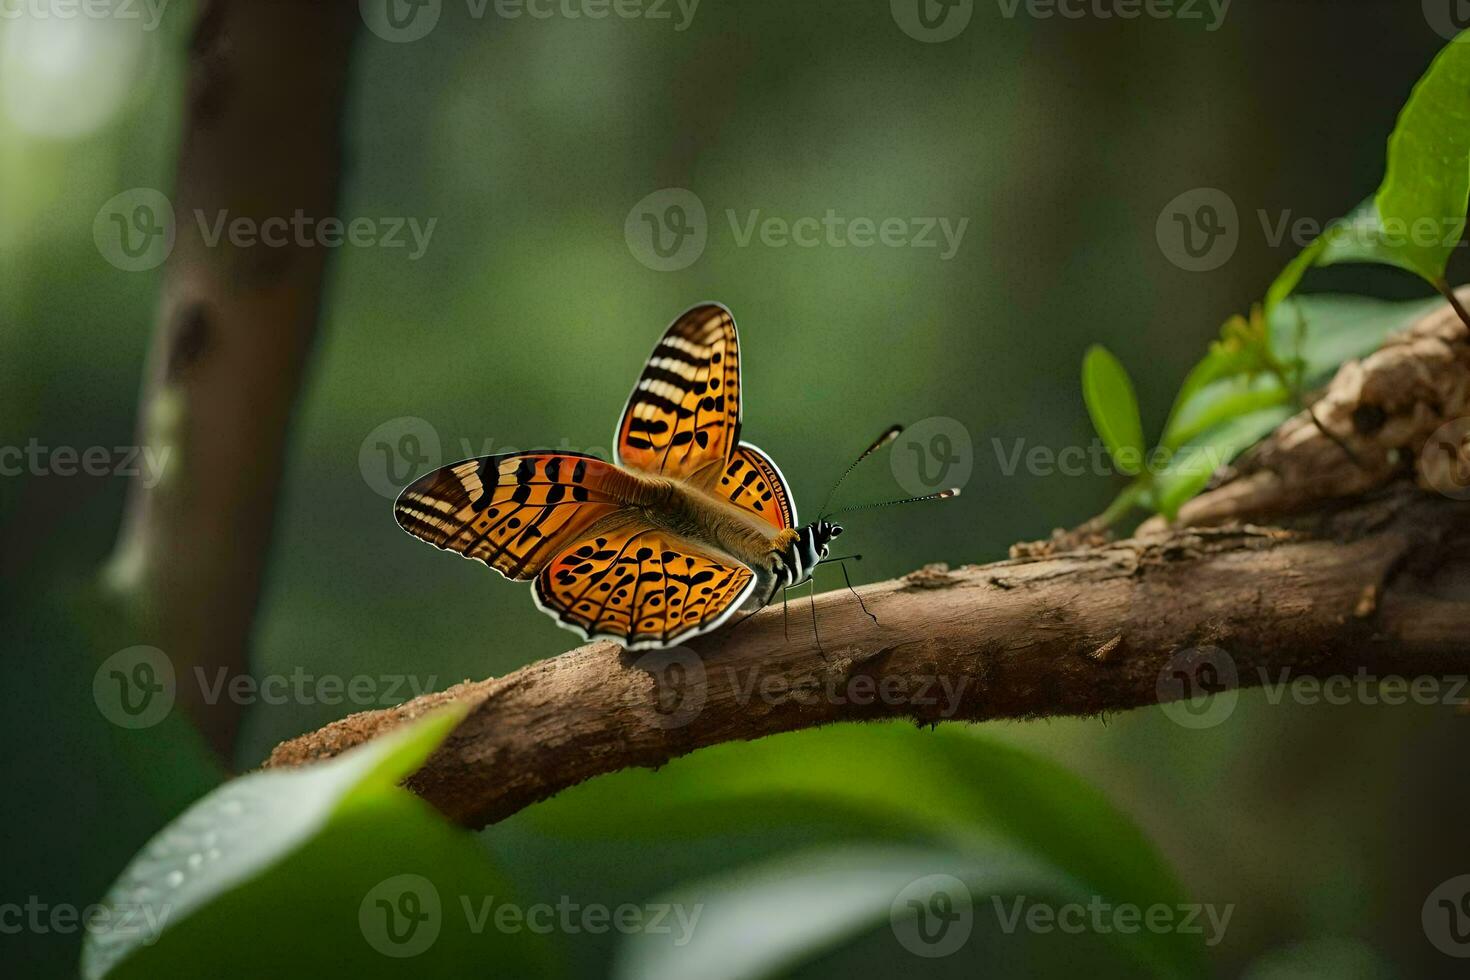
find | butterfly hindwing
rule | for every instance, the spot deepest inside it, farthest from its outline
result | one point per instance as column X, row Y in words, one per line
column 513, row 512
column 684, row 412
column 752, row 482
column 642, row 586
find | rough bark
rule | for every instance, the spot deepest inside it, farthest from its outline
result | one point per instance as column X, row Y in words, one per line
column 1403, row 411
column 235, row 325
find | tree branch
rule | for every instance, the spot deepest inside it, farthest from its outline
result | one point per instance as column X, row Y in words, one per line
column 1372, row 573
column 1380, row 585
column 234, row 328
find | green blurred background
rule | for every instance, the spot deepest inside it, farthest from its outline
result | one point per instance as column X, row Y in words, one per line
column 527, row 319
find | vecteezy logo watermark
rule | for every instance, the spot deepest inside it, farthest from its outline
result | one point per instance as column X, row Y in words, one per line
column 305, row 231
column 398, row 452
column 1444, row 462
column 408, row 20
column 1199, row 230
column 135, row 688
column 933, row 916
column 302, row 687
column 1183, row 10
column 1446, row 917
column 137, row 229
column 1197, row 687
column 1362, row 687
column 400, row 20
column 34, row 459
column 1447, row 17
column 1095, row 459
column 932, row 454
column 402, row 916
column 941, row 691
column 1104, row 918
column 401, row 450
column 150, row 12
column 680, row 687
column 932, row 21
column 668, row 230
column 114, row 919
column 134, row 230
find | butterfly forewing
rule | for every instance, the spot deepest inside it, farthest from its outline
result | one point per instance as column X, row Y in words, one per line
column 642, row 586
column 752, row 482
column 515, row 511
column 684, row 413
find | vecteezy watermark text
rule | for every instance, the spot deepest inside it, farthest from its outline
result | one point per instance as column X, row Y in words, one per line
column 1199, row 687
column 136, row 230
column 1200, row 230
column 1211, row 12
column 933, row 916
column 150, row 12
column 401, row 450
column 681, row 687
column 918, row 690
column 402, row 916
column 120, row 919
column 401, row 21
column 668, row 230
column 304, row 231
column 1096, row 460
column 1103, row 917
column 137, row 687
column 34, row 459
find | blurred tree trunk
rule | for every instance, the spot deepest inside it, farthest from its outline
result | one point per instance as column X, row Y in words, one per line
column 261, row 139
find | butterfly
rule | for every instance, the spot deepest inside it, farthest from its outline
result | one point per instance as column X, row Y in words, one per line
column 686, row 527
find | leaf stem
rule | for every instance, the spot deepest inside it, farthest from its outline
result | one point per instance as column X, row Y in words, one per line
column 1443, row 286
column 1122, row 503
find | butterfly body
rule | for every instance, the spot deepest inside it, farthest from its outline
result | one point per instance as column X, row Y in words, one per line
column 687, row 526
column 780, row 558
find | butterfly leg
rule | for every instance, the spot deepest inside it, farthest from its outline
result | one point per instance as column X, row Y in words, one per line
column 815, row 633
column 855, row 595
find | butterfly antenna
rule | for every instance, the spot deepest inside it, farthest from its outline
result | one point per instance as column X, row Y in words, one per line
column 889, row 434
column 941, row 495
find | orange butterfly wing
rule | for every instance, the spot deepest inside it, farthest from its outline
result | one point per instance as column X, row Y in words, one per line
column 513, row 512
column 642, row 586
column 752, row 482
column 684, row 412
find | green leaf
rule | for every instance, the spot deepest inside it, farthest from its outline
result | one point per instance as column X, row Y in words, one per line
column 1244, row 348
column 220, row 890
column 1113, row 406
column 1358, row 237
column 805, row 904
column 1220, row 402
column 1214, row 395
column 1342, row 327
column 1416, row 218
column 1290, row 277
column 1189, row 470
column 1427, row 178
column 950, row 785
